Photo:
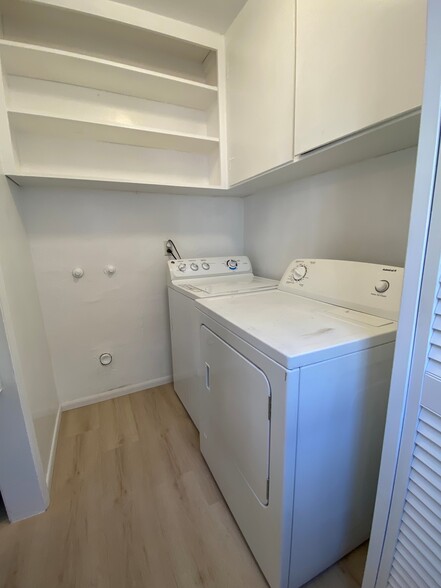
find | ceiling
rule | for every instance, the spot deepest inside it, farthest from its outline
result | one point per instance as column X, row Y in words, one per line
column 215, row 15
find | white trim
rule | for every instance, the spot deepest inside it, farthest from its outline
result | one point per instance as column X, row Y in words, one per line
column 115, row 393
column 50, row 465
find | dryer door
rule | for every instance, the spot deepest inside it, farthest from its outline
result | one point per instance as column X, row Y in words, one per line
column 235, row 427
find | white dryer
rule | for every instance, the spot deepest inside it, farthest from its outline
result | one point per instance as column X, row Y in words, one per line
column 294, row 390
column 191, row 279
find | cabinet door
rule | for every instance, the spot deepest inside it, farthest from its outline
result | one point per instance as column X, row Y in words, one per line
column 260, row 88
column 357, row 65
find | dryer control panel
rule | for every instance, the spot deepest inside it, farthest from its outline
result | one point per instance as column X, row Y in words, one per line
column 367, row 287
column 206, row 267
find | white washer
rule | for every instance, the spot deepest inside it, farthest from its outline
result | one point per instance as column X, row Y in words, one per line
column 294, row 388
column 189, row 279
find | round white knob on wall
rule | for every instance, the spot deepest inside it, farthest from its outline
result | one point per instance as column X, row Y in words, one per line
column 205, row 266
column 182, row 267
column 110, row 270
column 194, row 267
column 78, row 272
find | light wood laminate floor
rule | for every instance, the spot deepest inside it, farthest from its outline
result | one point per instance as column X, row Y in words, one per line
column 134, row 506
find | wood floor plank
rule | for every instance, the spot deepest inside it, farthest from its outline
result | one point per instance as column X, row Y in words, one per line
column 134, row 505
column 116, row 423
column 79, row 420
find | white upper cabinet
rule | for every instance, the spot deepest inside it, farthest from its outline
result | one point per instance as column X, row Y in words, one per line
column 358, row 64
column 260, row 56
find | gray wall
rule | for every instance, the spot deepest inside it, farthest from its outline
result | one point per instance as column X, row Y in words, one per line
column 126, row 314
column 359, row 212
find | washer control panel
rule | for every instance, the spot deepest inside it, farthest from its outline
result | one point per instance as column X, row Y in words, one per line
column 367, row 287
column 205, row 267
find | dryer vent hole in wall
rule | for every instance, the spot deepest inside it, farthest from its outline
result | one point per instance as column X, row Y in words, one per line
column 106, row 359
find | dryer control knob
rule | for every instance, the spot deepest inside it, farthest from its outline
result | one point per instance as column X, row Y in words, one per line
column 182, row 267
column 205, row 266
column 232, row 264
column 299, row 272
column 194, row 267
column 382, row 286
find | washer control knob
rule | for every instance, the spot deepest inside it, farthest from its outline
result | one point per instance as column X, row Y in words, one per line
column 194, row 267
column 182, row 267
column 232, row 264
column 299, row 272
column 382, row 286
column 205, row 266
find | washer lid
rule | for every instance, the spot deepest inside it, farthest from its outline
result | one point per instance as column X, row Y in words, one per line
column 294, row 330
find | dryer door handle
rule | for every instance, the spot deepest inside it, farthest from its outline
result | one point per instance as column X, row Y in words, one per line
column 207, row 376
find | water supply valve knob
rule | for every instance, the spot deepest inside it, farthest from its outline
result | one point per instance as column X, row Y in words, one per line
column 78, row 272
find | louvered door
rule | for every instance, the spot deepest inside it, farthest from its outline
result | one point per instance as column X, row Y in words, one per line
column 411, row 553
column 415, row 515
column 434, row 365
column 404, row 550
column 417, row 559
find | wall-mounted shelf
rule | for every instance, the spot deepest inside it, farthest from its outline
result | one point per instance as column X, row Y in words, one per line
column 120, row 185
column 395, row 135
column 33, row 61
column 28, row 122
column 150, row 23
column 93, row 93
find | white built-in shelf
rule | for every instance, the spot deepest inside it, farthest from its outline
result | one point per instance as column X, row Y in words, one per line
column 45, row 124
column 34, row 61
column 129, row 18
column 395, row 135
column 120, row 184
column 102, row 93
column 106, row 30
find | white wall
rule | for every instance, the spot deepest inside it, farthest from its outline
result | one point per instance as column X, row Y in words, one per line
column 23, row 322
column 22, row 484
column 127, row 314
column 359, row 212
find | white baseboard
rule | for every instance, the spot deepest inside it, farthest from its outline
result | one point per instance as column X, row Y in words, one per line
column 122, row 391
column 50, row 465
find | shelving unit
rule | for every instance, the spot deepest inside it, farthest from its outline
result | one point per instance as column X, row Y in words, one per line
column 87, row 96
column 33, row 61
